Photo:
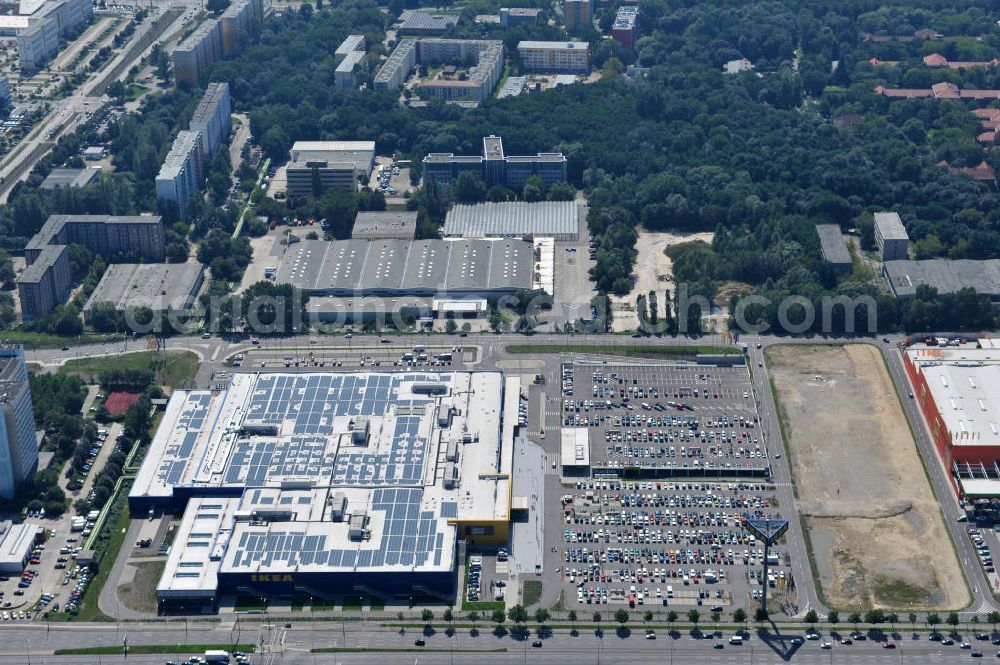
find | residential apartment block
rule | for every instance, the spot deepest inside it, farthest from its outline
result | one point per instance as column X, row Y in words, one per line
column 213, row 118
column 181, row 175
column 625, row 29
column 18, row 444
column 454, row 83
column 579, row 16
column 241, row 22
column 45, row 282
column 345, row 75
column 198, row 52
column 511, row 16
column 552, row 57
column 496, row 168
column 351, row 44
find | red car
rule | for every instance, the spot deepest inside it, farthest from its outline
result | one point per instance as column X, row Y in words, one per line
column 888, row 645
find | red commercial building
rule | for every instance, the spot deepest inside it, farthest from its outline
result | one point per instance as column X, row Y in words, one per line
column 957, row 388
column 625, row 30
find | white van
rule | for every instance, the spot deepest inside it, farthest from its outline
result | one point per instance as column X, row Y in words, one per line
column 736, row 639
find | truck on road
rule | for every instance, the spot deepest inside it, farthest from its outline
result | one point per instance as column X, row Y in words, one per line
column 216, row 656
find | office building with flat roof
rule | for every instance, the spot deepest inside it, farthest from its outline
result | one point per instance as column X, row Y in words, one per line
column 328, row 164
column 511, row 16
column 385, row 225
column 40, row 26
column 213, row 118
column 496, row 168
column 625, row 28
column 890, row 237
column 330, row 484
column 18, row 444
column 579, row 16
column 181, row 174
column 554, row 57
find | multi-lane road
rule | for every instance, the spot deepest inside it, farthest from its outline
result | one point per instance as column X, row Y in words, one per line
column 361, row 643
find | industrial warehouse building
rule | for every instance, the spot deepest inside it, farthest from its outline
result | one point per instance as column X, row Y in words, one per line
column 330, row 484
column 385, row 225
column 16, row 543
column 559, row 220
column 157, row 286
column 957, row 387
column 352, row 281
column 832, row 247
column 945, row 275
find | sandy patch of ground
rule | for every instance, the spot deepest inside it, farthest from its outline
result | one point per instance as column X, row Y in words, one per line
column 877, row 533
column 653, row 271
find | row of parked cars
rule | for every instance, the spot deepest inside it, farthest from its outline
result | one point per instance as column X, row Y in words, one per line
column 982, row 549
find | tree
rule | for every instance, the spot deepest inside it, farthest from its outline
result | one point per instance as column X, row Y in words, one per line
column 533, row 190
column 760, row 615
column 992, row 618
column 811, row 618
column 621, row 616
column 892, row 618
column 498, row 617
column 469, row 188
column 448, row 615
column 740, row 616
column 541, row 616
column 426, row 616
column 833, row 617
column 694, row 616
column 647, row 616
column 518, row 614
column 653, row 313
column 952, row 619
column 571, row 615
column 933, row 619
column 597, row 618
column 450, row 326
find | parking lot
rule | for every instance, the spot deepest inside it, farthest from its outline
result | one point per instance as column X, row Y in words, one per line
column 661, row 420
column 677, row 465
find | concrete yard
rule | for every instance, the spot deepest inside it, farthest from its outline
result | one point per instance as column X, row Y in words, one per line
column 876, row 529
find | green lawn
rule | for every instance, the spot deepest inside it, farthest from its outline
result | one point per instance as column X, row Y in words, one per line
column 36, row 340
column 531, row 592
column 178, row 366
column 403, row 650
column 630, row 350
column 155, row 648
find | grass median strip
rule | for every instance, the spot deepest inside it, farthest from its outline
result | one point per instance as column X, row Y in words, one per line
column 631, row 350
column 402, row 650
column 154, row 648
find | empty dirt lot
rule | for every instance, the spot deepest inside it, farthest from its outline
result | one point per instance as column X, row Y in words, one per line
column 876, row 529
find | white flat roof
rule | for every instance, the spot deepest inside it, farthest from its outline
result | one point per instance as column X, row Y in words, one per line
column 575, row 450
column 16, row 542
column 965, row 384
column 289, row 441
